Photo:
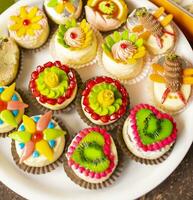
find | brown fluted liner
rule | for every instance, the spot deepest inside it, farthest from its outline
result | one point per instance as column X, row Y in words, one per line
column 88, row 122
column 64, row 110
column 47, row 168
column 94, row 186
column 138, row 159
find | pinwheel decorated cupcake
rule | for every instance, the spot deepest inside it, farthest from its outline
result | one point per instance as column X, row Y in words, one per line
column 106, row 15
column 123, row 55
column 39, row 140
column 29, row 27
column 11, row 109
column 74, row 43
column 61, row 10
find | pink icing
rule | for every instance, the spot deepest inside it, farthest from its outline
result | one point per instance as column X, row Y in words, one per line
column 158, row 145
column 107, row 152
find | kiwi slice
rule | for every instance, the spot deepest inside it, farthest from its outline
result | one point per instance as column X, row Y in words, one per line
column 89, row 153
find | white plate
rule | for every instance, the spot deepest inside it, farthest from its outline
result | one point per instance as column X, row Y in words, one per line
column 135, row 180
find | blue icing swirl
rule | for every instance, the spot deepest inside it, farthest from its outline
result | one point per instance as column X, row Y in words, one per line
column 21, row 145
column 21, row 128
column 52, row 143
column 51, row 125
column 36, row 118
column 36, row 154
column 1, row 90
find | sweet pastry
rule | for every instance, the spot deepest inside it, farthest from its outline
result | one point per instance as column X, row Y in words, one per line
column 92, row 155
column 74, row 43
column 172, row 78
column 148, row 133
column 54, row 85
column 154, row 27
column 11, row 108
column 29, row 27
column 103, row 100
column 9, row 60
column 106, row 15
column 39, row 140
column 59, row 10
column 123, row 55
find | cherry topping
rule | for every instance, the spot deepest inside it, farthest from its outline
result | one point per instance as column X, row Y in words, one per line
column 123, row 46
column 73, row 35
column 26, row 22
column 37, row 137
column 3, row 105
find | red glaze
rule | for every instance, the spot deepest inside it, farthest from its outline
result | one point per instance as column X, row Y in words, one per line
column 73, row 35
column 26, row 22
column 38, row 136
column 123, row 46
column 43, row 99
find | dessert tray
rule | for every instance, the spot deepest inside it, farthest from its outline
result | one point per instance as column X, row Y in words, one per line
column 136, row 179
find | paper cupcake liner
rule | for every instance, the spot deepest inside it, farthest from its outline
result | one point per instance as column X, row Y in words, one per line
column 108, row 127
column 161, row 106
column 53, row 28
column 40, row 170
column 25, row 100
column 68, row 108
column 129, row 154
column 93, row 62
column 94, row 186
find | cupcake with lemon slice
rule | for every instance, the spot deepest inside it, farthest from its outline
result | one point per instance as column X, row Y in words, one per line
column 106, row 15
column 29, row 27
column 74, row 43
column 54, row 85
column 123, row 55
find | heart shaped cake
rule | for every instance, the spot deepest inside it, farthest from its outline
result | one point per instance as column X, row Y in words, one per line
column 92, row 155
column 149, row 133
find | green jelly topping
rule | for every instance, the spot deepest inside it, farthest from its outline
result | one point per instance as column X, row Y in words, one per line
column 62, row 30
column 117, row 37
column 21, row 136
column 103, row 106
column 89, row 153
column 107, row 7
column 52, row 82
column 151, row 129
column 51, row 134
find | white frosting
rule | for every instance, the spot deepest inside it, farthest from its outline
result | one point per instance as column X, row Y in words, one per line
column 60, row 18
column 151, row 43
column 173, row 104
column 42, row 160
column 95, row 180
column 69, row 56
column 60, row 106
column 38, row 39
column 122, row 70
column 88, row 115
column 4, row 128
column 131, row 144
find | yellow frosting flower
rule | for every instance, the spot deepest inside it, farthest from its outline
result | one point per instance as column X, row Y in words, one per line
column 27, row 22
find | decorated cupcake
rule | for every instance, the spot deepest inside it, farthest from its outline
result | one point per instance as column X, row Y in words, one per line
column 11, row 108
column 39, row 141
column 59, row 10
column 172, row 82
column 92, row 157
column 148, row 134
column 9, row 60
column 155, row 27
column 123, row 55
column 74, row 43
column 106, row 15
column 102, row 101
column 54, row 85
column 29, row 27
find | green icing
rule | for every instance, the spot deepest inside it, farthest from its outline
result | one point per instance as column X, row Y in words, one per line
column 51, row 134
column 52, row 92
column 151, row 129
column 100, row 109
column 107, row 7
column 21, row 136
column 62, row 30
column 89, row 153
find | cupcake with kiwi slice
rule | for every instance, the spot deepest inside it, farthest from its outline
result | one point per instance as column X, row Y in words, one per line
column 102, row 101
column 92, row 158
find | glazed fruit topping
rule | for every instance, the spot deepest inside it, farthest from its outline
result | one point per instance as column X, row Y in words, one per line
column 26, row 22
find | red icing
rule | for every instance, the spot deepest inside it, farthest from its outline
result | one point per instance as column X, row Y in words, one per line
column 106, row 148
column 85, row 93
column 26, row 22
column 123, row 46
column 158, row 145
column 44, row 99
column 38, row 136
column 3, row 105
column 73, row 35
